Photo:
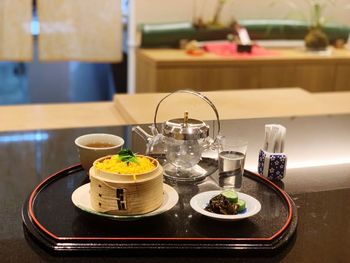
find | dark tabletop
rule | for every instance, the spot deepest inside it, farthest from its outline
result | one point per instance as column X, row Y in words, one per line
column 318, row 180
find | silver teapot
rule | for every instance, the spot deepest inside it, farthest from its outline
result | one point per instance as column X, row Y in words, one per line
column 182, row 142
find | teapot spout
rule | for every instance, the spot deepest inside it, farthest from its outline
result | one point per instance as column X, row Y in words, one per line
column 142, row 133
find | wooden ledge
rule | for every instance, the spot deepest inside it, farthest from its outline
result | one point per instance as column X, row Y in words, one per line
column 58, row 116
column 139, row 108
column 171, row 57
column 237, row 104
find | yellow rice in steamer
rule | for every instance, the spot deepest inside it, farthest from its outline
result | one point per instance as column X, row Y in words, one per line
column 115, row 165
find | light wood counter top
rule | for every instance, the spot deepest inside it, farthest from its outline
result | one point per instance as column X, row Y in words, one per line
column 57, row 116
column 238, row 104
column 175, row 56
column 139, row 108
column 336, row 102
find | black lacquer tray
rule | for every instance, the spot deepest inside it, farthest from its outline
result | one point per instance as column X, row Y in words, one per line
column 51, row 219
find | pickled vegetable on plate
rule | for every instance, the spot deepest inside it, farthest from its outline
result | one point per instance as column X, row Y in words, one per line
column 226, row 203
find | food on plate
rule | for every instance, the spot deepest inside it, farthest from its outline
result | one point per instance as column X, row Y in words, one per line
column 226, row 203
column 241, row 205
column 126, row 162
column 230, row 195
column 126, row 184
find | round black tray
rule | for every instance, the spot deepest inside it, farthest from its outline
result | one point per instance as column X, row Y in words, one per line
column 51, row 218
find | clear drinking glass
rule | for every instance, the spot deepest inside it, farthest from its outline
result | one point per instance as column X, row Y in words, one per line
column 232, row 153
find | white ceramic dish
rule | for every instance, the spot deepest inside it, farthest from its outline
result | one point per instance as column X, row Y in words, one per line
column 201, row 200
column 81, row 199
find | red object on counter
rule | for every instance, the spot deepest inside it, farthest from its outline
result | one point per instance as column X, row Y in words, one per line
column 230, row 50
column 196, row 52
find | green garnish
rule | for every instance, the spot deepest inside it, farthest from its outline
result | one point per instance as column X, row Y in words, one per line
column 231, row 195
column 126, row 155
column 241, row 205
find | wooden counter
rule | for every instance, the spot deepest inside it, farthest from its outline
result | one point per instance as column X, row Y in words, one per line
column 139, row 108
column 166, row 70
column 238, row 104
column 58, row 116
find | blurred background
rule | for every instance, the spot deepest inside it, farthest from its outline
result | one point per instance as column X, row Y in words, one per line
column 84, row 50
column 37, row 79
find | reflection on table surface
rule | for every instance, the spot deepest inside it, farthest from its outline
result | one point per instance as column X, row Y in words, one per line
column 318, row 180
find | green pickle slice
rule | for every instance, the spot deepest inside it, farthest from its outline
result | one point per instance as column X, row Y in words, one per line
column 231, row 195
column 241, row 205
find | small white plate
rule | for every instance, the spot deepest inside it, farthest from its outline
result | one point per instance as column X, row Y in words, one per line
column 81, row 199
column 201, row 200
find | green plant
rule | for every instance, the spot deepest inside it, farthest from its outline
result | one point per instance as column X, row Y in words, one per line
column 317, row 8
column 218, row 11
column 214, row 21
column 314, row 14
column 315, row 39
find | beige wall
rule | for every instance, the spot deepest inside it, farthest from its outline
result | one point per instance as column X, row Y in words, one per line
column 153, row 11
column 184, row 10
column 258, row 9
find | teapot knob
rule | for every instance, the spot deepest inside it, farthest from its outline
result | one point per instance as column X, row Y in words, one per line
column 186, row 118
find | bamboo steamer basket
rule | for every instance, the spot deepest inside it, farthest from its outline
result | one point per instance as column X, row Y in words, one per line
column 125, row 194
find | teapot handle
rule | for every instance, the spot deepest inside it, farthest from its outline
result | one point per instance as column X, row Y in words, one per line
column 193, row 93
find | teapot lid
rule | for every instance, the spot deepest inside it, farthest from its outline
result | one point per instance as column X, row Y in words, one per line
column 185, row 129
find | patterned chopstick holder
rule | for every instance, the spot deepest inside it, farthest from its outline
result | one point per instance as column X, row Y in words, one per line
column 272, row 165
